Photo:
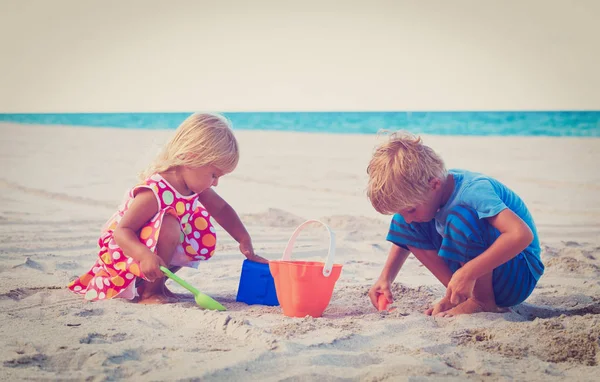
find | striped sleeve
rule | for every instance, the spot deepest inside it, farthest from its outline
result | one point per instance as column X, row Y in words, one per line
column 464, row 235
column 417, row 235
column 481, row 196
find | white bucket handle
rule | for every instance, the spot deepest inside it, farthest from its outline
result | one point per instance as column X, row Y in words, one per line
column 287, row 253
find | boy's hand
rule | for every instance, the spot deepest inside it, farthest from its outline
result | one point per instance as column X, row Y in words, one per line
column 248, row 251
column 150, row 267
column 380, row 287
column 460, row 288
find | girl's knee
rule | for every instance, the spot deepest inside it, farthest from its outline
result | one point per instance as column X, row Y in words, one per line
column 170, row 231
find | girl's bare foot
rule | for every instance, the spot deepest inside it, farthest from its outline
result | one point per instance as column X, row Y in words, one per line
column 168, row 293
column 156, row 294
column 141, row 289
column 441, row 306
column 158, row 298
column 470, row 306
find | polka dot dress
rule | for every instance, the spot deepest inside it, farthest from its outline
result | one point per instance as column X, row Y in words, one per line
column 114, row 274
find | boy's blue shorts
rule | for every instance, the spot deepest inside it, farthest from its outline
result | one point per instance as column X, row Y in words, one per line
column 466, row 237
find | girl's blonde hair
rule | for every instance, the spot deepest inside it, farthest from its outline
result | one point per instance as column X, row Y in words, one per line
column 400, row 172
column 202, row 139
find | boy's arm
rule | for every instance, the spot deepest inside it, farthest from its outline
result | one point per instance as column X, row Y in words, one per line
column 396, row 258
column 227, row 218
column 514, row 237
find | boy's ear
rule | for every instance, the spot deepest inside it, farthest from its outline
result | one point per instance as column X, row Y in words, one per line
column 435, row 183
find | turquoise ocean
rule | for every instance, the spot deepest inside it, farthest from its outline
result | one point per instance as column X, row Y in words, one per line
column 484, row 123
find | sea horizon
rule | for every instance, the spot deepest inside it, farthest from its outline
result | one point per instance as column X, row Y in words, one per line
column 471, row 123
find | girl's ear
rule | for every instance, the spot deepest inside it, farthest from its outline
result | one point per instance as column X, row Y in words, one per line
column 187, row 156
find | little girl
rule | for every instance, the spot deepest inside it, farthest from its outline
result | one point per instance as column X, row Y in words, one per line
column 165, row 220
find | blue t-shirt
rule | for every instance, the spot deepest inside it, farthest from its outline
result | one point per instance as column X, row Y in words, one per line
column 488, row 197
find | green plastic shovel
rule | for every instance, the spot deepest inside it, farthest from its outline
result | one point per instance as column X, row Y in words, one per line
column 203, row 301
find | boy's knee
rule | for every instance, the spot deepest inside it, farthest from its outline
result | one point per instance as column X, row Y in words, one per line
column 170, row 231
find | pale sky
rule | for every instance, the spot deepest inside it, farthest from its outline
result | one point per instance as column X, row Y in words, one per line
column 111, row 56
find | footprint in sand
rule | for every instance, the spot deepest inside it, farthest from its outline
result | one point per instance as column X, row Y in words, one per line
column 557, row 340
column 89, row 312
column 345, row 360
column 37, row 360
column 97, row 338
column 18, row 294
column 570, row 264
column 127, row 355
column 578, row 305
column 32, row 264
column 572, row 244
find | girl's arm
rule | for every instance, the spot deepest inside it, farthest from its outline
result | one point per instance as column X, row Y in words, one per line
column 140, row 211
column 227, row 218
column 224, row 214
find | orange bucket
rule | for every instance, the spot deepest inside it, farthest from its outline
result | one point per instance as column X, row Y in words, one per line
column 304, row 288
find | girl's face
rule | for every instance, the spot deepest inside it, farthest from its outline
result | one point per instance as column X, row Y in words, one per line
column 199, row 179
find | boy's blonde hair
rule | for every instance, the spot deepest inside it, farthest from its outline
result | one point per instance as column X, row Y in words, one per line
column 400, row 172
column 202, row 139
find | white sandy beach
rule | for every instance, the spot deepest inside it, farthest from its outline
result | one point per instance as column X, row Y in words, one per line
column 58, row 185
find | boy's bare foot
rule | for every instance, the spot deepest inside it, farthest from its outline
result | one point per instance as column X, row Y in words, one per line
column 441, row 306
column 469, row 307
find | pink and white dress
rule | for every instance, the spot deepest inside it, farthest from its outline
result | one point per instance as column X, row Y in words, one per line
column 114, row 274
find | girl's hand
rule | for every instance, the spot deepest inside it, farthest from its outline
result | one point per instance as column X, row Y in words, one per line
column 381, row 287
column 150, row 267
column 248, row 251
column 460, row 288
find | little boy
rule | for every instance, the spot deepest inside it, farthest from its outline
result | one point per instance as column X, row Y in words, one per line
column 473, row 233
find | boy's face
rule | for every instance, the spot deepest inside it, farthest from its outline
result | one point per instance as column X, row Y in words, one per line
column 420, row 213
column 425, row 211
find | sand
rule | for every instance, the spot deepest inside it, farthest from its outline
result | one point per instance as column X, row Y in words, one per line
column 59, row 184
